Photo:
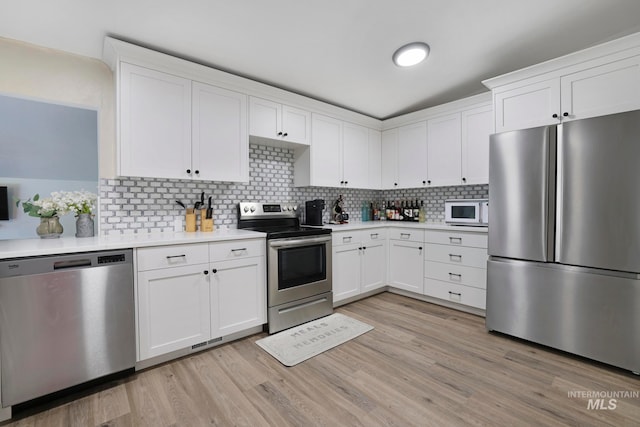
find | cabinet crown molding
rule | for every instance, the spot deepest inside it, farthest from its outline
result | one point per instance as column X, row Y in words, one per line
column 625, row 46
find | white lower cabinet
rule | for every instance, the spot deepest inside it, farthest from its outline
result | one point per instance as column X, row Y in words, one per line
column 406, row 259
column 190, row 294
column 455, row 267
column 359, row 262
column 173, row 309
column 238, row 295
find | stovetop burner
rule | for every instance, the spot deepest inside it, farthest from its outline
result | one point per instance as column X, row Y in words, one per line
column 278, row 220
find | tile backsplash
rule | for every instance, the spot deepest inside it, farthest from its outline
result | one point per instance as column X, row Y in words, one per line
column 143, row 205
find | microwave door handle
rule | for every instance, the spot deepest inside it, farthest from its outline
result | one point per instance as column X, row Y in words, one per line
column 298, row 242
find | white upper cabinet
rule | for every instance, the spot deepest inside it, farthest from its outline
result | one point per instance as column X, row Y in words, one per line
column 600, row 80
column 155, row 123
column 220, row 145
column 607, row 89
column 341, row 154
column 268, row 119
column 326, row 151
column 477, row 127
column 444, row 163
column 389, row 155
column 171, row 127
column 355, row 155
column 412, row 155
column 531, row 105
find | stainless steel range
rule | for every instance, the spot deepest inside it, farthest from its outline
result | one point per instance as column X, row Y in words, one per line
column 299, row 287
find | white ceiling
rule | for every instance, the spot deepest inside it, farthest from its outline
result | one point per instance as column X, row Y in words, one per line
column 338, row 51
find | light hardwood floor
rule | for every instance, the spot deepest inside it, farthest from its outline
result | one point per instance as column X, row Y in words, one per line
column 422, row 365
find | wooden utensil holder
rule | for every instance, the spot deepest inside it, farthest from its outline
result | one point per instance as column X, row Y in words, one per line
column 206, row 224
column 190, row 220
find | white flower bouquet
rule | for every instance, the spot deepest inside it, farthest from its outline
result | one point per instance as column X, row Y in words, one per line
column 59, row 203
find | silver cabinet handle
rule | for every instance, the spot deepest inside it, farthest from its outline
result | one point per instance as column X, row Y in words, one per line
column 176, row 256
column 373, row 235
column 455, row 240
column 455, row 293
column 402, row 235
column 347, row 239
column 454, row 257
column 238, row 250
column 455, row 274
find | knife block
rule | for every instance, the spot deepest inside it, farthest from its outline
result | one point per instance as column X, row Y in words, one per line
column 190, row 220
column 206, row 225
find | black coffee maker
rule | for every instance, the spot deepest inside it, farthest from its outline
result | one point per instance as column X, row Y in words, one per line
column 313, row 211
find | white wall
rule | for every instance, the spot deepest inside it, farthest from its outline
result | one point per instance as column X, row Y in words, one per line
column 45, row 74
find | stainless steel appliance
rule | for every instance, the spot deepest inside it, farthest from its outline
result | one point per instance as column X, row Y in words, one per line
column 564, row 239
column 64, row 320
column 467, row 212
column 299, row 286
column 313, row 211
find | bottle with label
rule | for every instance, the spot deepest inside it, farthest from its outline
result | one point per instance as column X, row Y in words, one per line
column 383, row 211
column 423, row 213
column 416, row 211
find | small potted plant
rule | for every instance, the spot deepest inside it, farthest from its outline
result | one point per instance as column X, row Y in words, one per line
column 49, row 210
column 82, row 203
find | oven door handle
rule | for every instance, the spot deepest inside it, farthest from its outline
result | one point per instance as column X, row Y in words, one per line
column 281, row 243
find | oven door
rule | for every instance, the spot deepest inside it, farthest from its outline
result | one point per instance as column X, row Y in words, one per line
column 298, row 267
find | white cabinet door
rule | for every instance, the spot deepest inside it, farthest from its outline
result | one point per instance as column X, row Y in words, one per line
column 406, row 265
column 389, row 154
column 264, row 117
column 346, row 271
column 220, row 141
column 155, row 124
column 374, row 265
column 375, row 160
column 607, row 89
column 173, row 309
column 326, row 149
column 355, row 155
column 238, row 295
column 296, row 125
column 477, row 126
column 444, row 164
column 412, row 155
column 528, row 106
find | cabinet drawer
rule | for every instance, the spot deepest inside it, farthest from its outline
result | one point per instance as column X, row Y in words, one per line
column 458, row 255
column 346, row 237
column 458, row 274
column 475, row 240
column 460, row 294
column 236, row 249
column 172, row 256
column 374, row 235
column 409, row 234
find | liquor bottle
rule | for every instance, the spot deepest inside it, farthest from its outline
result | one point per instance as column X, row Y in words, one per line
column 390, row 210
column 383, row 212
column 416, row 211
column 423, row 213
column 407, row 211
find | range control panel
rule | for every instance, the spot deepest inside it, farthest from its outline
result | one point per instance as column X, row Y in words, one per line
column 267, row 210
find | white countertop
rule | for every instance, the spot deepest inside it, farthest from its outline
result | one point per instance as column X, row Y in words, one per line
column 64, row 245
column 359, row 225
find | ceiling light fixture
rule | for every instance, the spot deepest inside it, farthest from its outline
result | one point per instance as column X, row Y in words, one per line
column 411, row 54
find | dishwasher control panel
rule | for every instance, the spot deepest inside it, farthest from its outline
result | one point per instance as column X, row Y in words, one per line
column 110, row 259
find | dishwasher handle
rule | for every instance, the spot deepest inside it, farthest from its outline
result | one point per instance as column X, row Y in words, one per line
column 74, row 263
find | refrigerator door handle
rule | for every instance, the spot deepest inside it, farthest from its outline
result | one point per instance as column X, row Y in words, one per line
column 556, row 241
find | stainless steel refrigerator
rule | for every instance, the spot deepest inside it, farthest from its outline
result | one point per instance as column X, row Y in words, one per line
column 564, row 237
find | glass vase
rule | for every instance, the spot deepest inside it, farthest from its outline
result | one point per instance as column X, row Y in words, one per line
column 84, row 225
column 49, row 228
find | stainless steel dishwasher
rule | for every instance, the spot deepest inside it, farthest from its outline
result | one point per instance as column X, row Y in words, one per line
column 64, row 320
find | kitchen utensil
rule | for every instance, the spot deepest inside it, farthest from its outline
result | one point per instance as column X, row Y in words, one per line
column 209, row 213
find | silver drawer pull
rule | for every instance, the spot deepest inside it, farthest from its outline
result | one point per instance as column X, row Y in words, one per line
column 176, row 256
column 455, row 295
column 405, row 235
column 455, row 240
column 238, row 250
column 454, row 257
column 374, row 235
column 346, row 239
column 455, row 275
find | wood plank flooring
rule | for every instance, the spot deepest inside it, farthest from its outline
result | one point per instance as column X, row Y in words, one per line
column 422, row 365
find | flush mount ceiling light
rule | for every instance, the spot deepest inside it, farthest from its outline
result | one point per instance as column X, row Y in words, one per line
column 411, row 54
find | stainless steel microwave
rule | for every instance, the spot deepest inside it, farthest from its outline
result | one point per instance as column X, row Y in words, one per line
column 467, row 212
